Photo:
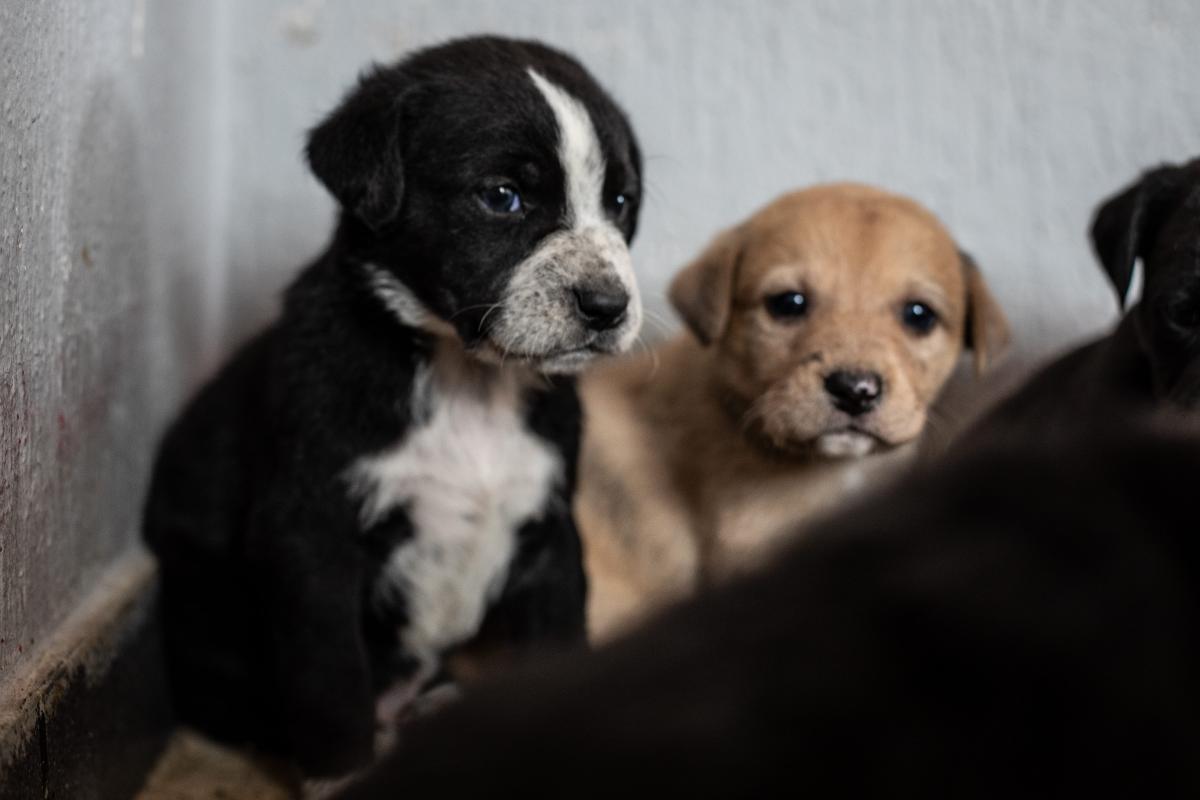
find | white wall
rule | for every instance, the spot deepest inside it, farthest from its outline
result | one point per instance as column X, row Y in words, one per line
column 1010, row 118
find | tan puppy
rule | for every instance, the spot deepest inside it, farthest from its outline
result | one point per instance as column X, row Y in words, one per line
column 820, row 330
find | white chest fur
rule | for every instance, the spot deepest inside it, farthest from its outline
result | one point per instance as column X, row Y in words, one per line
column 469, row 474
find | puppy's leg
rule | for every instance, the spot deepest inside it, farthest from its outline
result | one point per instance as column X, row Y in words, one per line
column 317, row 677
column 615, row 601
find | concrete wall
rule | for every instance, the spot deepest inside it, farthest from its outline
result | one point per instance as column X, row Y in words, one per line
column 109, row 241
column 153, row 201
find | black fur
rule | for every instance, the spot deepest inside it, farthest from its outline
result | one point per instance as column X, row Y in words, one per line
column 1153, row 356
column 1020, row 621
column 265, row 568
column 450, row 118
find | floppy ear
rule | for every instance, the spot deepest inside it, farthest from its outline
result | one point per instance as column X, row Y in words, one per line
column 702, row 292
column 355, row 151
column 1125, row 224
column 986, row 332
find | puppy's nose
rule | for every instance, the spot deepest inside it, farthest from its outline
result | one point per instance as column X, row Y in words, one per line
column 854, row 392
column 601, row 307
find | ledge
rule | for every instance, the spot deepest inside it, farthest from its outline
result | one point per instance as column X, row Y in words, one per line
column 89, row 714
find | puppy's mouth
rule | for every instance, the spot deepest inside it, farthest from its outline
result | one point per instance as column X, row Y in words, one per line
column 840, row 440
column 568, row 361
column 839, row 443
column 562, row 361
column 848, row 442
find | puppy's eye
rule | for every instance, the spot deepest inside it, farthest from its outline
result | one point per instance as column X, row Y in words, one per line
column 619, row 203
column 1183, row 312
column 502, row 199
column 918, row 317
column 787, row 305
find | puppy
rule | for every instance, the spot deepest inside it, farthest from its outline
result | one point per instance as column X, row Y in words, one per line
column 1153, row 356
column 1019, row 621
column 388, row 469
column 819, row 332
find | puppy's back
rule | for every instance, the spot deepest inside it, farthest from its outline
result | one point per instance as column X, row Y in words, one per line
column 195, row 512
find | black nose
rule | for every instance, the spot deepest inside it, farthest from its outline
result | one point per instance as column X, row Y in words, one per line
column 601, row 307
column 853, row 391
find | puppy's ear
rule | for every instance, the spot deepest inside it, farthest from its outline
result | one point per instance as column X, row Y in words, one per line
column 986, row 332
column 702, row 292
column 1125, row 224
column 355, row 151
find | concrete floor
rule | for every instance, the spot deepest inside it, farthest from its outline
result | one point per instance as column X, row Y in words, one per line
column 195, row 768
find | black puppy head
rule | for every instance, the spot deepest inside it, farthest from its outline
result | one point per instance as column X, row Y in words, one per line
column 1157, row 219
column 491, row 187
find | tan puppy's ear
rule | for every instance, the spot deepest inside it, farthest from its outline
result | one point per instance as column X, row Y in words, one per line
column 986, row 331
column 702, row 292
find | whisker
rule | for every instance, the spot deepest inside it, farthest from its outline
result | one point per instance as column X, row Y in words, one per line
column 660, row 328
column 653, row 353
column 649, row 312
column 751, row 415
column 487, row 314
column 942, row 428
column 657, row 318
column 471, row 308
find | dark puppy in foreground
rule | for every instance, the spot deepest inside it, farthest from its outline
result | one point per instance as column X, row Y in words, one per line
column 387, row 470
column 1021, row 620
column 1153, row 356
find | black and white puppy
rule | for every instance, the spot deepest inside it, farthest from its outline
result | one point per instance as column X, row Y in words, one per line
column 1153, row 356
column 387, row 469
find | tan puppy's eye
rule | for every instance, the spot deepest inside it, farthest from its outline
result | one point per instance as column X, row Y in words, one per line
column 918, row 317
column 787, row 305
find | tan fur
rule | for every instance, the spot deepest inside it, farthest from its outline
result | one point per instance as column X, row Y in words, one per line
column 698, row 455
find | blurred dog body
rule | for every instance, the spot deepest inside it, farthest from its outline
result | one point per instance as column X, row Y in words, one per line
column 820, row 330
column 1019, row 620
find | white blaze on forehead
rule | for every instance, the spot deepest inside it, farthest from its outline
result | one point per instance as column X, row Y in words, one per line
column 579, row 153
column 538, row 315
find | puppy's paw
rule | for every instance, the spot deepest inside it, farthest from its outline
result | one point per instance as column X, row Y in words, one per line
column 433, row 701
column 331, row 751
column 324, row 788
column 387, row 735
